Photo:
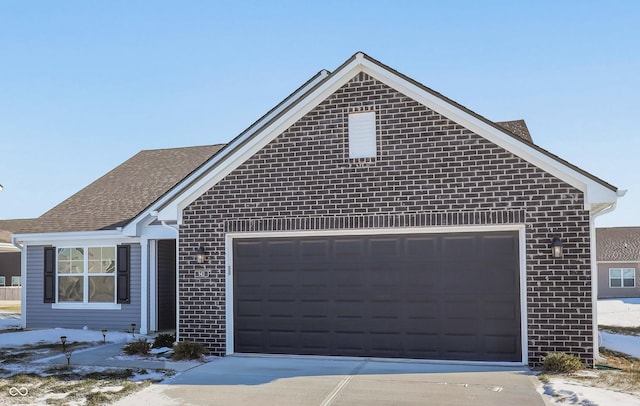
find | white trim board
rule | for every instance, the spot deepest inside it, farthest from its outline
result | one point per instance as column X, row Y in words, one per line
column 230, row 237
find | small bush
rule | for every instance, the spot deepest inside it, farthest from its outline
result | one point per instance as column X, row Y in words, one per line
column 187, row 350
column 141, row 347
column 561, row 362
column 164, row 340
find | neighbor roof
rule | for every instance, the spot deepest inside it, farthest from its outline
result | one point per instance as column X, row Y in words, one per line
column 117, row 197
column 618, row 244
column 518, row 127
column 9, row 226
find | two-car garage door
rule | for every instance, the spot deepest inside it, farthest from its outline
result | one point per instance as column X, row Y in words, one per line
column 450, row 296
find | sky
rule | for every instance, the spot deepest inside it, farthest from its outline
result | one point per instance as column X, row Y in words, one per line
column 86, row 85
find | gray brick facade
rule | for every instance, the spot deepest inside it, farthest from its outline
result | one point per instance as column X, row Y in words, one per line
column 429, row 171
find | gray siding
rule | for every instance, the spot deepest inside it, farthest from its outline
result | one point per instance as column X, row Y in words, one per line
column 605, row 292
column 41, row 315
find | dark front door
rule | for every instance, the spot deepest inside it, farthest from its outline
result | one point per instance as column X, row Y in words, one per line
column 166, row 284
column 431, row 296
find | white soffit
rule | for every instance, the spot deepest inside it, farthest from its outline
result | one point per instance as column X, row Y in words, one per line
column 594, row 191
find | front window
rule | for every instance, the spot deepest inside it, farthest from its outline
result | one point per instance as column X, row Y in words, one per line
column 86, row 275
column 622, row 277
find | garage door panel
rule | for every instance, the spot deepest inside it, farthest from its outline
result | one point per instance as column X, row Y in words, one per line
column 441, row 296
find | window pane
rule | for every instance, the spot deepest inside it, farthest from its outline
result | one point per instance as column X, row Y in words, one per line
column 76, row 266
column 615, row 273
column 102, row 260
column 2, row 281
column 64, row 254
column 70, row 289
column 629, row 283
column 77, row 254
column 15, row 281
column 101, row 289
column 616, row 283
column 629, row 273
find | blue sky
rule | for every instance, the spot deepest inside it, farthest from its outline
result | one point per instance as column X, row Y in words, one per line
column 86, row 85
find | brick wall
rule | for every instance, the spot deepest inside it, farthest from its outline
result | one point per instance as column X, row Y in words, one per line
column 429, row 171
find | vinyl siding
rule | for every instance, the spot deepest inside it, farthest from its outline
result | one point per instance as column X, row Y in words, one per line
column 606, row 292
column 41, row 315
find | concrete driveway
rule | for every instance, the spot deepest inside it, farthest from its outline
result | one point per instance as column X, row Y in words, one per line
column 291, row 380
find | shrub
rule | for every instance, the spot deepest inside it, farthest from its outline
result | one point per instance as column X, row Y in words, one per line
column 141, row 347
column 187, row 350
column 561, row 362
column 164, row 340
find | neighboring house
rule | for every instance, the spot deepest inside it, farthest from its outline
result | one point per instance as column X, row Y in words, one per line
column 9, row 262
column 618, row 258
column 365, row 215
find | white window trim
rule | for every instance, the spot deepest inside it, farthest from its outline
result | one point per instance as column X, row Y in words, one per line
column 85, row 304
column 622, row 278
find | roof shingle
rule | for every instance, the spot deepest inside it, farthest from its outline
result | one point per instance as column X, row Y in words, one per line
column 120, row 195
column 618, row 244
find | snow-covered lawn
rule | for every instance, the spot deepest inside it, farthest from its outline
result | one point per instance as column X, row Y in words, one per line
column 568, row 391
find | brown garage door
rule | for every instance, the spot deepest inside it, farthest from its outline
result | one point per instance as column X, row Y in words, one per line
column 435, row 296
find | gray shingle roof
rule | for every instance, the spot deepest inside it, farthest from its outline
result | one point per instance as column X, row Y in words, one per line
column 618, row 244
column 120, row 195
column 517, row 127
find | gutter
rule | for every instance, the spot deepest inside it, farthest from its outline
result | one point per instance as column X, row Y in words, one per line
column 594, row 278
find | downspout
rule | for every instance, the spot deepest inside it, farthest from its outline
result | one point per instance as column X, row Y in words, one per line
column 594, row 278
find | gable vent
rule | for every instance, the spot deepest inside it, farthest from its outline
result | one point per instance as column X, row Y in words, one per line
column 362, row 134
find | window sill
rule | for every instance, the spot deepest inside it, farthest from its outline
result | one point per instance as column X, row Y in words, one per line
column 86, row 306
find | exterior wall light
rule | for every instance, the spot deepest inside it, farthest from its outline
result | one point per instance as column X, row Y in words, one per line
column 556, row 247
column 201, row 255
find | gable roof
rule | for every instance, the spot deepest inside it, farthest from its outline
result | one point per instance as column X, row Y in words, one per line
column 618, row 244
column 121, row 194
column 512, row 136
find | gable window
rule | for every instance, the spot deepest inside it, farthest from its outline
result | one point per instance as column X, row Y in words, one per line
column 86, row 275
column 362, row 134
column 622, row 277
column 2, row 281
column 15, row 281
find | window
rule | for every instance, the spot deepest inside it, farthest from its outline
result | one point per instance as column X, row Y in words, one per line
column 362, row 135
column 15, row 281
column 622, row 277
column 2, row 281
column 86, row 275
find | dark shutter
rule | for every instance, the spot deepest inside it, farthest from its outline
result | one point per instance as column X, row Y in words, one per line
column 49, row 274
column 123, row 274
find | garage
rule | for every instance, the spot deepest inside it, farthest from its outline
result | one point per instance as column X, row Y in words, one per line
column 439, row 296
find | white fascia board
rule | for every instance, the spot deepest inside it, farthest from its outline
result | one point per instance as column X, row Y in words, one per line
column 169, row 212
column 79, row 237
column 174, row 210
column 594, row 192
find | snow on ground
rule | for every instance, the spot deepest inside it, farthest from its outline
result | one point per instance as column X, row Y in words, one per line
column 617, row 342
column 9, row 321
column 619, row 312
column 53, row 336
column 565, row 392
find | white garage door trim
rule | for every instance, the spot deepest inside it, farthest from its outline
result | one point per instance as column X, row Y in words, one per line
column 229, row 238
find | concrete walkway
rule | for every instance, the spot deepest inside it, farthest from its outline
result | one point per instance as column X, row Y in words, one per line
column 291, row 380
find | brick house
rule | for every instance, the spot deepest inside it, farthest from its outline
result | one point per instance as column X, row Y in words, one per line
column 365, row 215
